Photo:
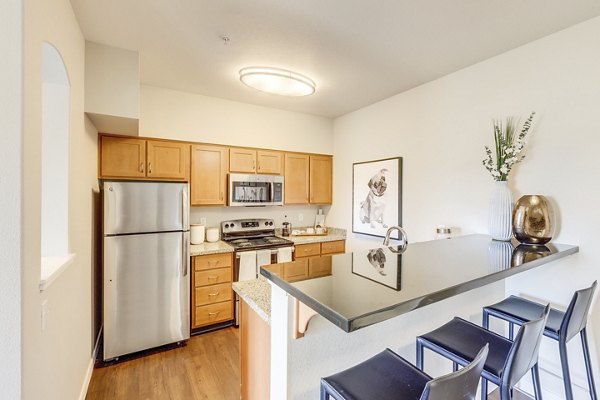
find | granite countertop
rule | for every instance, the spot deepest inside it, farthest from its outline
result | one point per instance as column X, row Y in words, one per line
column 370, row 286
column 210, row 248
column 333, row 234
column 257, row 293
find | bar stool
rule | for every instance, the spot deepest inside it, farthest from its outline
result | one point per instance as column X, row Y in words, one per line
column 388, row 376
column 561, row 326
column 507, row 362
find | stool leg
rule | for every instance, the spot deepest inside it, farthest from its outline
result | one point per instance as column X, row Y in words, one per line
column 588, row 364
column 324, row 395
column 484, row 388
column 419, row 355
column 537, row 388
column 564, row 362
column 505, row 393
column 486, row 320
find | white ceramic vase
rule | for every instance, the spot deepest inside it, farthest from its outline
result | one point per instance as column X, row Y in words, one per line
column 500, row 213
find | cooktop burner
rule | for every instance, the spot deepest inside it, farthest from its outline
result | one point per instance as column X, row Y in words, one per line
column 258, row 243
column 252, row 234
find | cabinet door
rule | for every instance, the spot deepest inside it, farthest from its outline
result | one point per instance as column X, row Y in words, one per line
column 320, row 179
column 269, row 162
column 296, row 178
column 122, row 157
column 242, row 160
column 167, row 160
column 209, row 175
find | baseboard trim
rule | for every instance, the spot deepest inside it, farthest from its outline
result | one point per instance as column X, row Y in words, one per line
column 90, row 369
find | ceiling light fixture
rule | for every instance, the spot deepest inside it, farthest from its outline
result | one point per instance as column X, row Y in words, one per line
column 277, row 81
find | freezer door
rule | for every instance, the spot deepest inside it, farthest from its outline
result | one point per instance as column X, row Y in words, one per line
column 146, row 291
column 135, row 207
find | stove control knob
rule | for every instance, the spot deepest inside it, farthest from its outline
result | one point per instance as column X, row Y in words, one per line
column 226, row 226
column 271, row 223
column 266, row 223
column 232, row 225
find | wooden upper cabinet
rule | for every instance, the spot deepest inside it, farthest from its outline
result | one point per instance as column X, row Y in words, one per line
column 242, row 160
column 321, row 171
column 296, row 178
column 122, row 157
column 252, row 161
column 209, row 175
column 167, row 160
column 269, row 162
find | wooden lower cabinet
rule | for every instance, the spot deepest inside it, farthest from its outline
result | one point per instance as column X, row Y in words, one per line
column 319, row 266
column 212, row 296
column 296, row 270
column 255, row 355
column 322, row 248
column 307, row 250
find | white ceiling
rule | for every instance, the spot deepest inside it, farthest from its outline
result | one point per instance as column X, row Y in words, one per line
column 357, row 51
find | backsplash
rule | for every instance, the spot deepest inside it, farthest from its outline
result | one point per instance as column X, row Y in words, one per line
column 215, row 215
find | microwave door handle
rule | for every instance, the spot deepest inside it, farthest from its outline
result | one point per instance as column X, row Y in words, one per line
column 272, row 186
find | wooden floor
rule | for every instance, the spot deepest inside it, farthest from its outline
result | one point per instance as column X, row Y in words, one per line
column 207, row 368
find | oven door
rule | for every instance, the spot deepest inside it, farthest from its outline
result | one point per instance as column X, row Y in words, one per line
column 250, row 190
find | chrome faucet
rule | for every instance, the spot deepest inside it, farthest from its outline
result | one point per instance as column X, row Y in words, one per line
column 401, row 235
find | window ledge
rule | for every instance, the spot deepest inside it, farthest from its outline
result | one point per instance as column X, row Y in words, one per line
column 52, row 267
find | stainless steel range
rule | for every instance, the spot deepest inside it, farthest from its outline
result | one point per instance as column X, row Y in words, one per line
column 252, row 235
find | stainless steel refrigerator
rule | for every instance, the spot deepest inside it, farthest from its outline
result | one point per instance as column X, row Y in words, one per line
column 146, row 265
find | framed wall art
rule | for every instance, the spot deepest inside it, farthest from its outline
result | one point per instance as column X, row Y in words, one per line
column 377, row 196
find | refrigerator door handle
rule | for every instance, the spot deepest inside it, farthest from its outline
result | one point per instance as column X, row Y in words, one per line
column 185, row 208
column 186, row 253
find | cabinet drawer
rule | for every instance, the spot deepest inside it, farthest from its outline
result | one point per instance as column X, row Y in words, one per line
column 295, row 270
column 213, row 313
column 213, row 294
column 338, row 246
column 319, row 266
column 307, row 250
column 212, row 261
column 212, row 276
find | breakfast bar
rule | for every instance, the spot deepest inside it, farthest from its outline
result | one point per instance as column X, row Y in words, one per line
column 367, row 300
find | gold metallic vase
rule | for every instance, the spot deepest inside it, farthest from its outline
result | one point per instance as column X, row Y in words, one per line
column 533, row 220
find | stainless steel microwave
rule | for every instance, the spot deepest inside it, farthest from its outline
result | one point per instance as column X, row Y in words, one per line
column 251, row 190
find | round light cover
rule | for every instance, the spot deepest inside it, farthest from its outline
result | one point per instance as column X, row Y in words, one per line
column 277, row 81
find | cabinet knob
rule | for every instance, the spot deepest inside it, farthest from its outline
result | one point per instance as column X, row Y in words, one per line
column 141, row 167
column 149, row 168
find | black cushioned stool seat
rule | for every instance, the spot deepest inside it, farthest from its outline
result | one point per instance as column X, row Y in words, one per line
column 465, row 339
column 561, row 326
column 507, row 362
column 525, row 310
column 387, row 376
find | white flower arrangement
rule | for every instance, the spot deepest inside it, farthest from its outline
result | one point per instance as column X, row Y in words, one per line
column 508, row 147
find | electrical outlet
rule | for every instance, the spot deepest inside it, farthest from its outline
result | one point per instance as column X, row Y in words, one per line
column 300, row 217
column 44, row 314
column 203, row 221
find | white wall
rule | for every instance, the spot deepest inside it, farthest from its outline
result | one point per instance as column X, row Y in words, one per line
column 11, row 96
column 56, row 361
column 186, row 116
column 179, row 115
column 440, row 129
column 112, row 81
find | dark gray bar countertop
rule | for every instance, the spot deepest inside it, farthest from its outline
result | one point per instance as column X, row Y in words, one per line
column 355, row 290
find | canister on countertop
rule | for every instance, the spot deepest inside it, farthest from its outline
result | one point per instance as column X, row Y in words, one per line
column 212, row 235
column 197, row 233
